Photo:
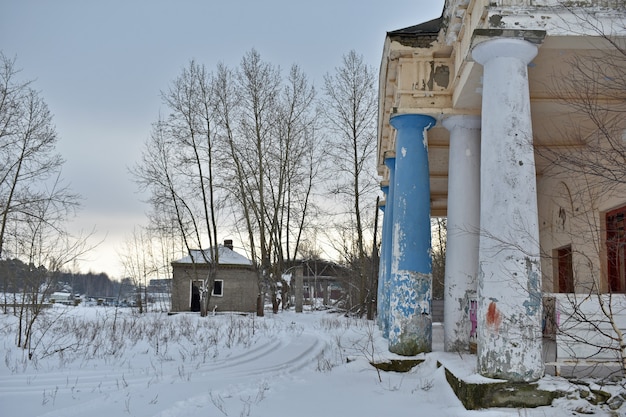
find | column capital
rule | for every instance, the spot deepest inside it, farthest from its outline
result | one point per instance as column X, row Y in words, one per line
column 462, row 121
column 399, row 121
column 504, row 48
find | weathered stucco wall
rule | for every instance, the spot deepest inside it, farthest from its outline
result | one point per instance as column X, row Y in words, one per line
column 572, row 208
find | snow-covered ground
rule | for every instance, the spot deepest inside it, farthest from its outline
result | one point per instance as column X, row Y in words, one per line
column 98, row 361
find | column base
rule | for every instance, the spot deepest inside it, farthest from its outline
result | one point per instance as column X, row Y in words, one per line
column 415, row 336
column 410, row 328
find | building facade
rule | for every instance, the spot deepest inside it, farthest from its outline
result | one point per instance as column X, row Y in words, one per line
column 488, row 116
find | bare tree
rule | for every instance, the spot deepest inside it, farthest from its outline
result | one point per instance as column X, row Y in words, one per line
column 439, row 232
column 257, row 149
column 34, row 202
column 191, row 124
column 139, row 264
column 166, row 244
column 147, row 254
column 300, row 167
column 178, row 167
column 49, row 250
column 269, row 127
column 27, row 154
column 350, row 109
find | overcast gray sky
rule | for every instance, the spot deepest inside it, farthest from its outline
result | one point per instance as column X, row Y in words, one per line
column 100, row 66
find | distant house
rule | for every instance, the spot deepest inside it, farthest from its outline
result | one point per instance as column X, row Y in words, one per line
column 324, row 280
column 235, row 287
column 62, row 297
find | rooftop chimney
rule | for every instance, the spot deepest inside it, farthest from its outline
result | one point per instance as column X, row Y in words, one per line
column 228, row 243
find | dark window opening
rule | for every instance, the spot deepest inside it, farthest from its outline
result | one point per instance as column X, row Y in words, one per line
column 218, row 287
column 565, row 269
column 195, row 295
column 616, row 250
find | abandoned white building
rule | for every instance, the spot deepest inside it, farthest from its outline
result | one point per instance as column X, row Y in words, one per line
column 507, row 116
column 235, row 286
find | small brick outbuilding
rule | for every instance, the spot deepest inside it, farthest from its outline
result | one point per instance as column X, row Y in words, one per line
column 235, row 287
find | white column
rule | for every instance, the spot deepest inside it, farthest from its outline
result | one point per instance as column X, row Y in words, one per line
column 462, row 229
column 509, row 283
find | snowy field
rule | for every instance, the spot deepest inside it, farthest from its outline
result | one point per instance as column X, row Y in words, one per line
column 102, row 362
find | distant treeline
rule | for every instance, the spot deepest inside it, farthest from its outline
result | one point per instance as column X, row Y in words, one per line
column 16, row 275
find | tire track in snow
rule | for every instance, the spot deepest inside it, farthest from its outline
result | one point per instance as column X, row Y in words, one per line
column 78, row 389
column 287, row 358
column 249, row 355
column 64, row 379
column 248, row 375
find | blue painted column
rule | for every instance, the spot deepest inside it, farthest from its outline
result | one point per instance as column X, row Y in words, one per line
column 383, row 311
column 410, row 319
column 380, row 304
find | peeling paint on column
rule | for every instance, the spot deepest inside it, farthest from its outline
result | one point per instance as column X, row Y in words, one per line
column 410, row 320
column 384, row 297
column 509, row 335
column 516, row 360
column 533, row 304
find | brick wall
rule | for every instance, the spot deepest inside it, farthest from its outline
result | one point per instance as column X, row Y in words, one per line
column 239, row 288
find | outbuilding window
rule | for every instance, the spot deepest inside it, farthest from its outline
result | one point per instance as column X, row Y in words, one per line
column 218, row 288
